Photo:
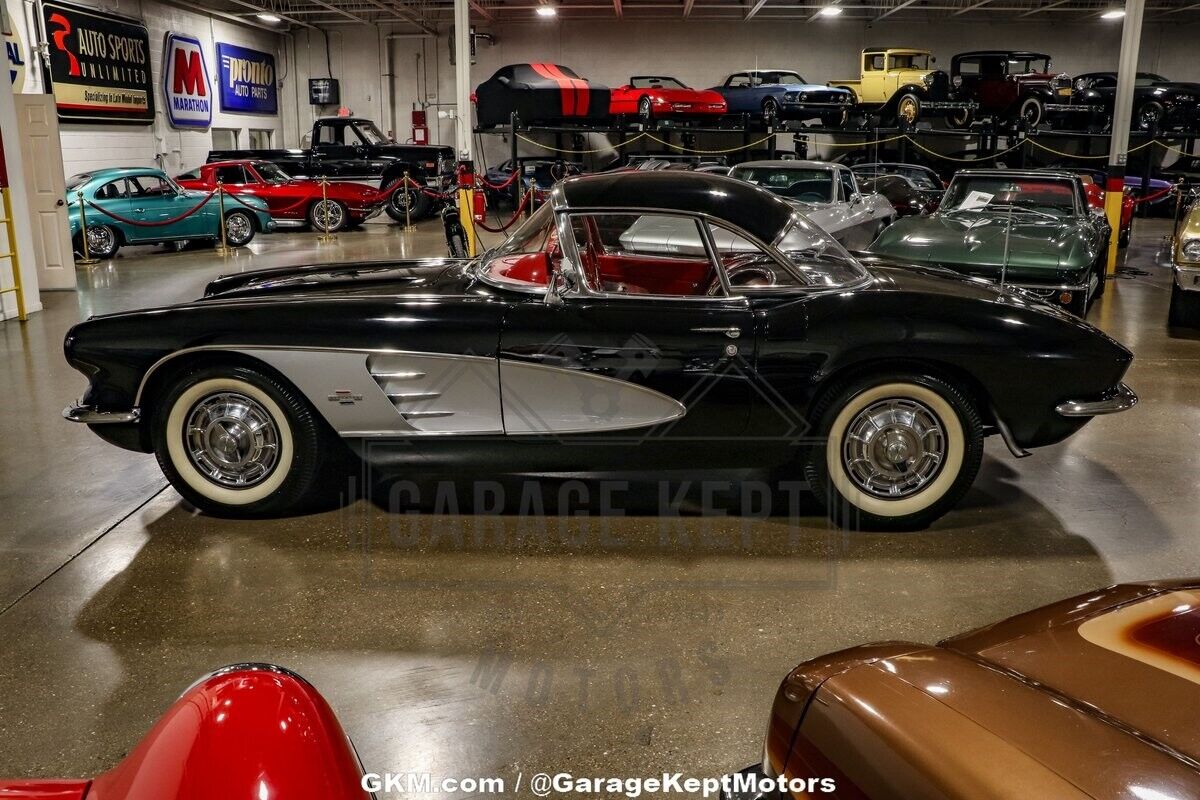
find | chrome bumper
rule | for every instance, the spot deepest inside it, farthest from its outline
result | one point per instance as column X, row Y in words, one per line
column 1187, row 277
column 1120, row 399
column 90, row 416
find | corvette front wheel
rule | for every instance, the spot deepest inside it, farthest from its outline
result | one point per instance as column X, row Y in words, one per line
column 237, row 442
column 899, row 451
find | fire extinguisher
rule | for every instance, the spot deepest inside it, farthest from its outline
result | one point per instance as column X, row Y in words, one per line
column 479, row 203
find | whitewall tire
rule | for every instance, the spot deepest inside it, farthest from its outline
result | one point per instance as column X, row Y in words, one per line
column 898, row 451
column 236, row 441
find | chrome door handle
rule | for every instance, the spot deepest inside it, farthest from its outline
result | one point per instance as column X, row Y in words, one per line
column 140, row 210
column 732, row 333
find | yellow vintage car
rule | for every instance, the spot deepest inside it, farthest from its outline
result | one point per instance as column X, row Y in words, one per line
column 1185, row 265
column 899, row 84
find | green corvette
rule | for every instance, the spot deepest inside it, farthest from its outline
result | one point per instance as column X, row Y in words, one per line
column 1031, row 228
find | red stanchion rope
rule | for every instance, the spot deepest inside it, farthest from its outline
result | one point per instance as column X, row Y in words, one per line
column 283, row 210
column 502, row 186
column 515, row 217
column 157, row 223
column 1150, row 198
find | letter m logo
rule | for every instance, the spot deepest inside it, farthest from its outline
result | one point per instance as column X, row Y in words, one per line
column 188, row 71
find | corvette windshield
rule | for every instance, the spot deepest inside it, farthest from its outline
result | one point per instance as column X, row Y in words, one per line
column 995, row 193
column 795, row 183
column 817, row 256
column 656, row 83
column 270, row 173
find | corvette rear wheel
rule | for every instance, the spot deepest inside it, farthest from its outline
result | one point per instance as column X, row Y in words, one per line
column 327, row 215
column 899, row 451
column 237, row 442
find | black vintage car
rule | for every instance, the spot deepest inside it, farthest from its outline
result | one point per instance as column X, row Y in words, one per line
column 354, row 149
column 539, row 94
column 1158, row 103
column 686, row 318
column 1019, row 86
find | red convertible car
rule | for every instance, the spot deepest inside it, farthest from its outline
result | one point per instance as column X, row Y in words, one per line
column 291, row 201
column 246, row 731
column 650, row 96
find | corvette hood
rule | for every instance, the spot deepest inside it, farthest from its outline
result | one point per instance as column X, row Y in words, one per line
column 975, row 244
column 426, row 276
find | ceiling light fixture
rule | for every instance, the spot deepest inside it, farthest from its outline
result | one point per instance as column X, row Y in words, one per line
column 1115, row 13
column 547, row 11
column 267, row 16
column 831, row 11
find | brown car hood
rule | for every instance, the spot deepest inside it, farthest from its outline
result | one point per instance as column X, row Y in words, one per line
column 1128, row 654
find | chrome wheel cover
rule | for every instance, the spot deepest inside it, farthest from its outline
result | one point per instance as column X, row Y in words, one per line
column 328, row 215
column 100, row 239
column 231, row 440
column 237, row 228
column 894, row 448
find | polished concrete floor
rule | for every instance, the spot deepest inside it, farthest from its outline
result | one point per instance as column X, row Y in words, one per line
column 615, row 643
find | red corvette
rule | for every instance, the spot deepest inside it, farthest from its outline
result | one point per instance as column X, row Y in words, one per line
column 248, row 731
column 291, row 201
column 650, row 97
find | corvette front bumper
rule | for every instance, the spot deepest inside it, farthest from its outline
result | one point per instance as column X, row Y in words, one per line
column 89, row 415
column 1122, row 398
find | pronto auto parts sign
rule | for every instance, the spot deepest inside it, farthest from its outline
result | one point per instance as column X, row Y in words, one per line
column 185, row 82
column 247, row 80
column 99, row 65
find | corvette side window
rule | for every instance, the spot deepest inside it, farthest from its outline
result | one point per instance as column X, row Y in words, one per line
column 746, row 264
column 655, row 254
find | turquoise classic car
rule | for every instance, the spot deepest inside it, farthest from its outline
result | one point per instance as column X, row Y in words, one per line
column 139, row 205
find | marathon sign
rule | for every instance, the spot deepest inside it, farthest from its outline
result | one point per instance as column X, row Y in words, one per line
column 186, row 84
column 247, row 80
column 98, row 65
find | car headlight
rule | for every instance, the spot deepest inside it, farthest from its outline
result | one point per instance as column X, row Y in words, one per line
column 1191, row 250
column 956, row 81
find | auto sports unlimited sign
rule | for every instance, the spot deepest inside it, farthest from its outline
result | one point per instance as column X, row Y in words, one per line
column 98, row 65
column 247, row 80
column 185, row 82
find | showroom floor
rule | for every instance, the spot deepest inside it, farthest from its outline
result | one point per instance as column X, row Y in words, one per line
column 458, row 645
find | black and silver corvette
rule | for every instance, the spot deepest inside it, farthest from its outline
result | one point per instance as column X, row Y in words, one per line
column 688, row 319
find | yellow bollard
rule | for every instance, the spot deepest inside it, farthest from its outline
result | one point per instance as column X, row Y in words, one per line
column 87, row 259
column 222, row 248
column 326, row 236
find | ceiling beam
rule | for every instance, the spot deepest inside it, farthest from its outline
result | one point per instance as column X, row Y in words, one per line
column 257, row 9
column 403, row 13
column 1047, row 6
column 901, row 5
column 481, row 9
column 1188, row 7
column 971, row 7
column 758, row 4
column 341, row 11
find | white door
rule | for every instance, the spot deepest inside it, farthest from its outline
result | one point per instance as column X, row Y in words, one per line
column 46, row 189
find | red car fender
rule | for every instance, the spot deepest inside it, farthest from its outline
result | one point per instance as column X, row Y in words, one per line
column 248, row 731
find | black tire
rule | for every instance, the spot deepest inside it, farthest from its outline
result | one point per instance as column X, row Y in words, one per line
column 1032, row 111
column 645, row 109
column 239, row 228
column 846, row 499
column 960, row 118
column 1185, row 308
column 1150, row 115
column 770, row 112
column 1124, row 236
column 421, row 204
column 103, row 241
column 338, row 216
column 298, row 436
column 908, row 108
column 456, row 246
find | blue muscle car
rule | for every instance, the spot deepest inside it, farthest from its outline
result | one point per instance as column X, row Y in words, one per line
column 776, row 94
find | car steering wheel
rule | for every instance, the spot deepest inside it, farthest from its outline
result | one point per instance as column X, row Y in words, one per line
column 747, row 270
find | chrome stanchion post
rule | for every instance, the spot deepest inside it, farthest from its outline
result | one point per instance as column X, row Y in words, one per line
column 87, row 259
column 408, row 226
column 222, row 247
column 326, row 236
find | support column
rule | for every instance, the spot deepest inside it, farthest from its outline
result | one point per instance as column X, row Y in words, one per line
column 1118, row 148
column 22, row 219
column 462, row 79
